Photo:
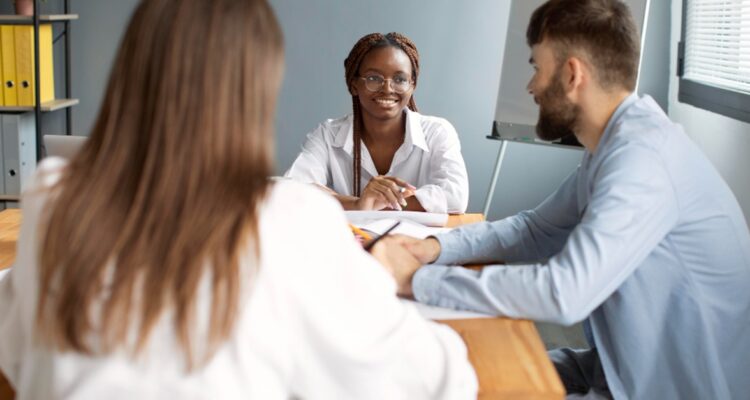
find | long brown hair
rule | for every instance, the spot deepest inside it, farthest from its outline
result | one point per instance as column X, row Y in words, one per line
column 165, row 193
column 351, row 72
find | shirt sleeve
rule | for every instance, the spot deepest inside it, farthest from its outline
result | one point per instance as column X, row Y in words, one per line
column 19, row 288
column 311, row 165
column 360, row 338
column 448, row 187
column 530, row 235
column 11, row 346
column 631, row 209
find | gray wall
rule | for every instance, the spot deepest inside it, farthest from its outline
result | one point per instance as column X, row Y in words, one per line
column 96, row 37
column 460, row 45
column 461, row 53
column 530, row 172
column 725, row 141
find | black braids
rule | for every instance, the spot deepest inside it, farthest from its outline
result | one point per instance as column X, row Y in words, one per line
column 351, row 69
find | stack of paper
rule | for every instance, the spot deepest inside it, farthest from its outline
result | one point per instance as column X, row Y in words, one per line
column 424, row 218
column 406, row 227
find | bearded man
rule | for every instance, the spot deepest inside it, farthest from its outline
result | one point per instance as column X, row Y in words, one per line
column 644, row 242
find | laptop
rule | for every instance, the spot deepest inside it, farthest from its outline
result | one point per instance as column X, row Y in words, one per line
column 62, row 145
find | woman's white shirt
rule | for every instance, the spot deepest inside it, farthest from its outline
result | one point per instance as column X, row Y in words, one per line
column 430, row 159
column 320, row 321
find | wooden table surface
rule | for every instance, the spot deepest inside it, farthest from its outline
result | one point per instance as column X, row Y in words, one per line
column 10, row 223
column 508, row 355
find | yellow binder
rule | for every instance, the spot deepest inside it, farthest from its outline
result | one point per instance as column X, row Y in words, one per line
column 2, row 97
column 8, row 50
column 24, row 39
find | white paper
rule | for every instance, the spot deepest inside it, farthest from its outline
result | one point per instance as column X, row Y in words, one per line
column 424, row 218
column 441, row 313
column 406, row 227
column 3, row 273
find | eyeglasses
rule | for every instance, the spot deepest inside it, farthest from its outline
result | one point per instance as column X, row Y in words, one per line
column 374, row 83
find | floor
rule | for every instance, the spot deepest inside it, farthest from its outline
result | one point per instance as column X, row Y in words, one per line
column 555, row 336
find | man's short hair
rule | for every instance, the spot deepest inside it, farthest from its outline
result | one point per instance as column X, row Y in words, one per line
column 601, row 31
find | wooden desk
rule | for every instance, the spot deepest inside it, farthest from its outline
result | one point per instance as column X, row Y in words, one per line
column 10, row 223
column 508, row 355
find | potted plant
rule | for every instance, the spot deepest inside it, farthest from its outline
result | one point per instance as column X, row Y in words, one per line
column 25, row 7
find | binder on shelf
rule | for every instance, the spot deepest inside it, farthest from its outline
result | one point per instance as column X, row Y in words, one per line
column 24, row 41
column 8, row 50
column 18, row 135
column 2, row 97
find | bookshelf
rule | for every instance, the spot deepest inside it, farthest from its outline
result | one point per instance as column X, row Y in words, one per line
column 23, row 157
column 59, row 103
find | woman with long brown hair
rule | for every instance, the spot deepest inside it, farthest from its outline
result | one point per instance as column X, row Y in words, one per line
column 385, row 154
column 161, row 262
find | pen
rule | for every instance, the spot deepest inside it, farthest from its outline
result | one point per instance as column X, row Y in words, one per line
column 360, row 232
column 369, row 245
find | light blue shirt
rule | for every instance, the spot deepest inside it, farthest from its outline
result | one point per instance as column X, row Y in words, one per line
column 646, row 240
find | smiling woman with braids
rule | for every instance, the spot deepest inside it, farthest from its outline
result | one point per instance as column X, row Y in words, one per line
column 408, row 161
column 157, row 263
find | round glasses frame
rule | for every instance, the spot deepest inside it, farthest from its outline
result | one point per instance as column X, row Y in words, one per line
column 375, row 83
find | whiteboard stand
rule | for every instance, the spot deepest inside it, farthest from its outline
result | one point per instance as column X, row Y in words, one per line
column 493, row 182
column 511, row 132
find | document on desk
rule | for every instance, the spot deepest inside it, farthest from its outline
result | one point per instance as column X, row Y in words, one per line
column 441, row 313
column 424, row 218
column 406, row 227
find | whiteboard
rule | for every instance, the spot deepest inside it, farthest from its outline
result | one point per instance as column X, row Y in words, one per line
column 514, row 104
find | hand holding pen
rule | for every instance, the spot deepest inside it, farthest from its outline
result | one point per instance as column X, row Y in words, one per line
column 385, row 192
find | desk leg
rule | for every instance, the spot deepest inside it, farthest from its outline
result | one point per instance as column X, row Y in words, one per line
column 493, row 182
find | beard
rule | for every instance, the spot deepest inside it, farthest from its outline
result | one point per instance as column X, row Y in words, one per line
column 557, row 115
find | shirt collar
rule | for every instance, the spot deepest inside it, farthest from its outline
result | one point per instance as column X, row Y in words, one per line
column 624, row 105
column 344, row 137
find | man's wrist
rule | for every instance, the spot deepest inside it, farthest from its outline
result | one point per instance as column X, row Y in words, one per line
column 433, row 249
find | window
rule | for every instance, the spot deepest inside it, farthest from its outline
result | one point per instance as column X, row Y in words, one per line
column 714, row 56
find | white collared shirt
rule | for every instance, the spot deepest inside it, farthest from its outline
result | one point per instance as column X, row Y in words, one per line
column 430, row 159
column 320, row 320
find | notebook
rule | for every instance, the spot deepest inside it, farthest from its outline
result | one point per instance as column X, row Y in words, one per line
column 424, row 218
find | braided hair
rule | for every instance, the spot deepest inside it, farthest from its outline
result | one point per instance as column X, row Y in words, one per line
column 351, row 66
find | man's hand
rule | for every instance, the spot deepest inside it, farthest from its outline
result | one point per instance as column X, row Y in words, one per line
column 425, row 250
column 385, row 192
column 399, row 262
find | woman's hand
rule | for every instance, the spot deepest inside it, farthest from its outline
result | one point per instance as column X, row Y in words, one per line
column 425, row 250
column 399, row 262
column 385, row 192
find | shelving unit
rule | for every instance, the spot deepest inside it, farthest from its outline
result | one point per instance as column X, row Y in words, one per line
column 66, row 102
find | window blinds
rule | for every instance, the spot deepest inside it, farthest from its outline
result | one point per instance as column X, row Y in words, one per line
column 717, row 43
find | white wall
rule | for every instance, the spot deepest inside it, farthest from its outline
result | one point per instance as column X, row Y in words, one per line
column 725, row 141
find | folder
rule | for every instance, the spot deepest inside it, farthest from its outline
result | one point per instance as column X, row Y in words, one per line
column 2, row 97
column 8, row 50
column 24, row 40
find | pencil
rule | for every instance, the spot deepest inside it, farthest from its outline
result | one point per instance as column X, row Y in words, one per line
column 360, row 232
column 369, row 245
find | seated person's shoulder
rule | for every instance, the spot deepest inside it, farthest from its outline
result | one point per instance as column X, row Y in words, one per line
column 297, row 201
column 47, row 174
column 645, row 125
column 436, row 127
column 330, row 128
